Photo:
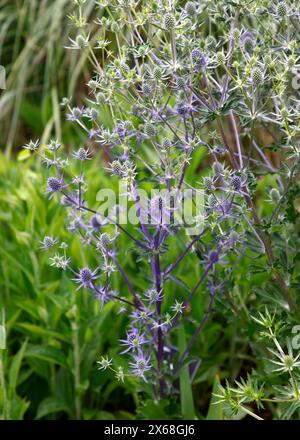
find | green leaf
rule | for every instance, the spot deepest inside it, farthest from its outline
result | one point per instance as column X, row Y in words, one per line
column 51, row 405
column 215, row 410
column 48, row 354
column 23, row 155
column 186, row 394
column 2, row 337
column 18, row 408
column 15, row 368
column 154, row 410
column 39, row 331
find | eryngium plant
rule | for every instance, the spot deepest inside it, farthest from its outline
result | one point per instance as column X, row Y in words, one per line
column 183, row 81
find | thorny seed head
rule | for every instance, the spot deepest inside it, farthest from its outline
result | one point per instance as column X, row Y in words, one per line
column 150, row 130
column 157, row 73
column 213, row 257
column 55, row 184
column 257, row 76
column 48, row 242
column 190, row 9
column 169, row 21
column 32, row 146
column 198, row 58
column 95, row 223
column 147, row 89
column 166, row 144
column 116, row 168
column 282, row 9
column 82, row 155
column 275, row 195
column 247, row 42
column 104, row 241
column 85, row 275
column 104, row 363
column 236, row 183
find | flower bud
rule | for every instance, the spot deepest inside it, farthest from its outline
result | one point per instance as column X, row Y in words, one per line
column 257, row 76
column 169, row 21
column 190, row 9
column 275, row 195
column 282, row 9
column 221, row 59
column 149, row 130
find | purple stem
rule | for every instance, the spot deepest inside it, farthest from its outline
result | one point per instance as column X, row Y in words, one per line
column 129, row 285
column 180, row 258
column 198, row 330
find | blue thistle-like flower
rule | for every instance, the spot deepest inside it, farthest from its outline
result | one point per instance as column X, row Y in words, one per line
column 141, row 316
column 198, row 59
column 54, row 185
column 85, row 277
column 182, row 108
column 32, row 146
column 134, row 341
column 213, row 257
column 95, row 223
column 140, row 365
column 82, row 154
column 153, row 296
column 48, row 243
column 75, row 114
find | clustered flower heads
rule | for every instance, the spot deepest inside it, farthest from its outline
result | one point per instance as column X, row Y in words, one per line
column 182, row 90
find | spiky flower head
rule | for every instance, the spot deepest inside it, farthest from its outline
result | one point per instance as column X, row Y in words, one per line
column 140, row 365
column 104, row 241
column 208, row 183
column 198, row 59
column 190, row 9
column 134, row 341
column 166, row 144
column 116, row 168
column 282, row 9
column 236, row 183
column 221, row 58
column 157, row 73
column 85, row 277
column 54, row 185
column 149, row 130
column 182, row 108
column 48, row 243
column 54, row 145
column 60, row 262
column 153, row 296
column 248, row 42
column 146, row 89
column 257, row 76
column 275, row 195
column 213, row 257
column 82, row 154
column 95, row 223
column 169, row 21
column 32, row 146
column 104, row 363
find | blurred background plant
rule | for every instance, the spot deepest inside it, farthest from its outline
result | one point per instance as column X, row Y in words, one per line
column 52, row 335
column 39, row 71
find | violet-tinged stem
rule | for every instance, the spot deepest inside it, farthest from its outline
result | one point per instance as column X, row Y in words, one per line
column 237, row 138
column 128, row 283
column 196, row 334
column 184, row 253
